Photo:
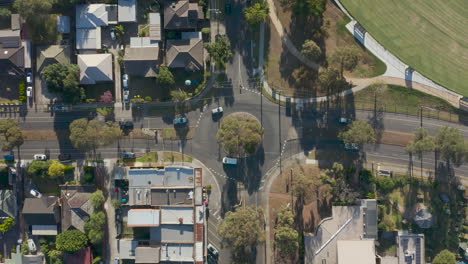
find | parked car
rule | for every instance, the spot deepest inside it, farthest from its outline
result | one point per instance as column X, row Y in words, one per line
column 40, row 157
column 64, row 157
column 29, row 78
column 128, row 155
column 180, row 121
column 29, row 92
column 9, row 157
column 32, row 245
column 35, row 193
column 351, row 147
column 229, row 161
column 126, row 96
column 344, row 120
column 387, row 173
column 61, row 108
column 217, row 110
column 212, row 251
column 112, row 33
column 125, row 81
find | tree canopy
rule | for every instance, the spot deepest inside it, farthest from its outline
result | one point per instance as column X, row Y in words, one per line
column 359, row 132
column 346, row 58
column 242, row 228
column 422, row 143
column 7, row 225
column 87, row 135
column 71, row 240
column 31, row 8
column 311, row 50
column 451, row 146
column 56, row 169
column 12, row 134
column 257, row 13
column 94, row 228
column 445, row 257
column 63, row 79
column 285, row 235
column 165, row 76
column 97, row 199
column 39, row 168
column 240, row 133
column 220, row 50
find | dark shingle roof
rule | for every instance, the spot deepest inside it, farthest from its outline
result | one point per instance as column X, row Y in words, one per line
column 40, row 211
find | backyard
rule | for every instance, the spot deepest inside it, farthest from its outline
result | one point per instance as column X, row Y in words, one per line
column 430, row 36
column 94, row 92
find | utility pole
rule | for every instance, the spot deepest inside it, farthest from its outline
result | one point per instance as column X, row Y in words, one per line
column 421, row 115
column 261, row 102
column 279, row 129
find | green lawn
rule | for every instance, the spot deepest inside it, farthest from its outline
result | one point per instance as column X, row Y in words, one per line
column 430, row 36
column 149, row 157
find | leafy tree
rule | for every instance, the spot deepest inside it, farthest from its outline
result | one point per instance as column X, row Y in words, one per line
column 359, row 132
column 240, row 134
column 422, row 143
column 316, row 7
column 220, row 50
column 97, row 199
column 285, row 235
column 12, row 134
column 303, row 184
column 451, row 146
column 106, row 112
column 56, row 169
column 444, row 257
column 242, row 228
column 71, row 241
column 94, row 228
column 307, row 8
column 120, row 31
column 341, row 190
column 303, row 76
column 89, row 135
column 311, row 50
column 165, row 76
column 24, row 248
column 179, row 97
column 29, row 9
column 346, row 58
column 5, row 13
column 8, row 224
column 39, row 168
column 257, row 13
column 55, row 255
column 107, row 97
column 63, row 79
column 330, row 81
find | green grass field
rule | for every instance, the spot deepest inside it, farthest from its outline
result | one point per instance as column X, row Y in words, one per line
column 429, row 35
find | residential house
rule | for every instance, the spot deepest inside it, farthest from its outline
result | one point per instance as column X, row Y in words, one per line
column 76, row 206
column 142, row 57
column 95, row 68
column 47, row 55
column 42, row 215
column 127, row 11
column 8, row 206
column 18, row 258
column 12, row 52
column 173, row 213
column 89, row 20
column 182, row 15
column 410, row 248
column 350, row 225
column 185, row 53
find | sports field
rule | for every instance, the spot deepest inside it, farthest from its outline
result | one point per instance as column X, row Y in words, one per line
column 429, row 35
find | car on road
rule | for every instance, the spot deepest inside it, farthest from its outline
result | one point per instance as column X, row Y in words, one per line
column 126, row 96
column 387, row 173
column 9, row 157
column 229, row 161
column 212, row 251
column 125, row 81
column 344, row 120
column 29, row 78
column 112, row 33
column 217, row 110
column 228, row 8
column 128, row 155
column 29, row 92
column 41, row 157
column 35, row 193
column 32, row 245
column 180, row 121
column 351, row 147
column 61, row 108
column 64, row 157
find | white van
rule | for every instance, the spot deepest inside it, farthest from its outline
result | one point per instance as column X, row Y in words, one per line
column 229, row 161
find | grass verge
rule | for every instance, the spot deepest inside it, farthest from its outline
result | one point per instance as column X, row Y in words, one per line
column 170, row 156
column 149, row 157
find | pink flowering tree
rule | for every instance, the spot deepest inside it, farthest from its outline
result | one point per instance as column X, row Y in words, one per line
column 107, row 97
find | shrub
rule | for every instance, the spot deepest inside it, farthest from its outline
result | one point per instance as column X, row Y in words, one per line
column 90, row 100
column 97, row 260
column 22, row 88
column 206, row 30
column 148, row 99
column 68, row 168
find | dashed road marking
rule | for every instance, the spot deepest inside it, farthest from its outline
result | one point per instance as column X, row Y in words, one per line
column 282, row 151
column 221, row 175
column 201, row 115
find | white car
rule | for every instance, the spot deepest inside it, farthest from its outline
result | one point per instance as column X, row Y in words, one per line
column 112, row 33
column 229, row 161
column 212, row 251
column 29, row 78
column 40, row 157
column 29, row 92
column 35, row 193
column 125, row 81
column 217, row 110
column 32, row 245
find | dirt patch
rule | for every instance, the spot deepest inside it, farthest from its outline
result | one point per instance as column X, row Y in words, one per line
column 396, row 138
column 40, row 135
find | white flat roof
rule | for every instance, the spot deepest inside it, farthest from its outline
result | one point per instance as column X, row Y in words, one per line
column 171, row 215
column 176, row 252
column 356, row 251
column 44, row 230
column 143, row 217
column 127, row 11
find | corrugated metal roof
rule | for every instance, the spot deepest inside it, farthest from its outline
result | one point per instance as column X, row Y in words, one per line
column 143, row 217
column 155, row 26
